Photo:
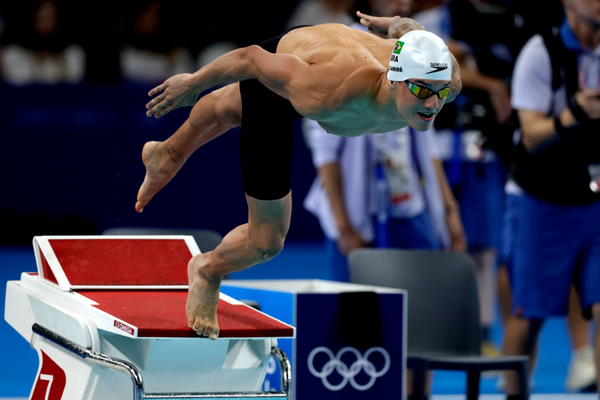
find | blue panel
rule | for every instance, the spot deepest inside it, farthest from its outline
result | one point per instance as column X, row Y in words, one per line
column 330, row 365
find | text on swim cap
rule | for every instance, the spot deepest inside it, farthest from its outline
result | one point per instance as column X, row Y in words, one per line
column 394, row 58
column 437, row 67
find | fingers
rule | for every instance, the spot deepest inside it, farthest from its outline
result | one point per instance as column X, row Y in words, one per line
column 156, row 100
column 362, row 15
column 157, row 89
column 164, row 111
column 364, row 19
column 156, row 105
column 160, row 110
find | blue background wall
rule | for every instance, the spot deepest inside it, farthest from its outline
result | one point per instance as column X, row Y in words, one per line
column 71, row 164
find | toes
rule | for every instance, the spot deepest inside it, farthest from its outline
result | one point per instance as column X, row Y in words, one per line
column 205, row 330
column 139, row 207
column 198, row 328
column 211, row 332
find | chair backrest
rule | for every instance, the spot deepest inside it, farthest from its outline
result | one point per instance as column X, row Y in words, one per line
column 443, row 302
column 206, row 239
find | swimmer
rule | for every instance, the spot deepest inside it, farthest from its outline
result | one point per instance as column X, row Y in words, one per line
column 350, row 82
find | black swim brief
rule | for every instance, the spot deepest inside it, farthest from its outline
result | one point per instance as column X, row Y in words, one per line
column 266, row 140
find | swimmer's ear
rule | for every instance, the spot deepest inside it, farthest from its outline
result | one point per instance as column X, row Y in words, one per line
column 392, row 84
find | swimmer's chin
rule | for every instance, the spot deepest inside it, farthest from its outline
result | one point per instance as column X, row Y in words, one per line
column 333, row 130
column 424, row 122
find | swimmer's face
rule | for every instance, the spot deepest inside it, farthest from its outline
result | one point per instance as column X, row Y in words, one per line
column 420, row 112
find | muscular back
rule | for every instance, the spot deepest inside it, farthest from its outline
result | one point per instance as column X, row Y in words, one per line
column 340, row 77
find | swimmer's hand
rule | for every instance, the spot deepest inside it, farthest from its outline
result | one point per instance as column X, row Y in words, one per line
column 173, row 93
column 389, row 27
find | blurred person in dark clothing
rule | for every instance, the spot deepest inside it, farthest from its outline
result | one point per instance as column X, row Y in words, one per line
column 150, row 54
column 553, row 239
column 40, row 50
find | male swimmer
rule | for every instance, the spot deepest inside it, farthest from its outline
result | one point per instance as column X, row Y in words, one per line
column 350, row 82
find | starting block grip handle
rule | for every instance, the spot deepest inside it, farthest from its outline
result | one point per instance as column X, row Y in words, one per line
column 138, row 381
column 97, row 358
column 286, row 370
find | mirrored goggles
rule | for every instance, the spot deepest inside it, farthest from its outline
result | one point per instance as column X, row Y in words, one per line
column 423, row 92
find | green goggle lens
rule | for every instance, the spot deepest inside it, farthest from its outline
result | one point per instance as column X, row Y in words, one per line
column 423, row 92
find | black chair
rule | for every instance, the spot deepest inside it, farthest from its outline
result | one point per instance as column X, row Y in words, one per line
column 206, row 239
column 443, row 312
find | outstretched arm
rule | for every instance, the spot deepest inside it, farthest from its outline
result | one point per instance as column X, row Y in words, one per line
column 273, row 70
column 389, row 27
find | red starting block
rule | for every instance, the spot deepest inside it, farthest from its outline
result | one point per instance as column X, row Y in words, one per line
column 99, row 306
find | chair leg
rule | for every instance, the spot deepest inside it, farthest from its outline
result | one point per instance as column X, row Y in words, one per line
column 419, row 368
column 473, row 378
column 523, row 372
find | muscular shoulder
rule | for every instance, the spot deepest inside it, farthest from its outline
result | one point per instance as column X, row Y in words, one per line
column 333, row 40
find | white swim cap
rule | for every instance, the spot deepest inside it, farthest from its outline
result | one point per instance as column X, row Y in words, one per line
column 420, row 54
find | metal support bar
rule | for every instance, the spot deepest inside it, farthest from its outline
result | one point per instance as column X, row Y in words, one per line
column 286, row 370
column 138, row 381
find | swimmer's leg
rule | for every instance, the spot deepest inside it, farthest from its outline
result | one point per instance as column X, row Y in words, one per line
column 266, row 144
column 214, row 114
column 256, row 242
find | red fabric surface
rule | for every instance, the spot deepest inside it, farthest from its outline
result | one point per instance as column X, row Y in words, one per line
column 123, row 261
column 161, row 313
column 48, row 274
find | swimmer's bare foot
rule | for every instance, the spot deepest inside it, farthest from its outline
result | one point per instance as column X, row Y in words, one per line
column 203, row 298
column 162, row 163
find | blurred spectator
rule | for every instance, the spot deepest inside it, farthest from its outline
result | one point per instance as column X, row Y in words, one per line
column 553, row 239
column 479, row 163
column 219, row 37
column 40, row 51
column 315, row 12
column 149, row 55
column 2, row 26
column 476, row 176
column 414, row 209
column 2, row 29
column 494, row 60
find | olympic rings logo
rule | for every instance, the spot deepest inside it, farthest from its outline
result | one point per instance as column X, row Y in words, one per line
column 348, row 373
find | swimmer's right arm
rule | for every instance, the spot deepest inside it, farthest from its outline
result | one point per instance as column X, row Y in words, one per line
column 389, row 27
column 252, row 62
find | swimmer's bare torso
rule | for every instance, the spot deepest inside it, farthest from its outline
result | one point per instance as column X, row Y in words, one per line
column 330, row 73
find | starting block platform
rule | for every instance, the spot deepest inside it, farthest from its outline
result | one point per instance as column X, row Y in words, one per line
column 106, row 315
